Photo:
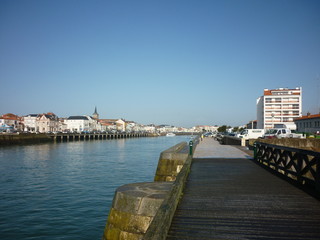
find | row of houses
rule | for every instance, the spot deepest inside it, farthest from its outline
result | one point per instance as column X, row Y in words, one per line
column 49, row 122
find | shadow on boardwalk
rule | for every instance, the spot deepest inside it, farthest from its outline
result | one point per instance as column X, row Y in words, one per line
column 233, row 198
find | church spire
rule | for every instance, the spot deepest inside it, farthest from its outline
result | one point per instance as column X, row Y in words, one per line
column 95, row 115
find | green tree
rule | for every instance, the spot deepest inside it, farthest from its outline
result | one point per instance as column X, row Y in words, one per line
column 235, row 129
column 222, row 128
column 241, row 129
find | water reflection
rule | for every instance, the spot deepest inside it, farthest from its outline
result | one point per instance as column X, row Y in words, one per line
column 64, row 190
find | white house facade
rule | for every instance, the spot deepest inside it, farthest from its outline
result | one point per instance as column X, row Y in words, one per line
column 82, row 124
column 30, row 122
column 47, row 123
column 77, row 123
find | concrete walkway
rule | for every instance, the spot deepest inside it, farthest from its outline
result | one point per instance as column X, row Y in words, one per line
column 210, row 148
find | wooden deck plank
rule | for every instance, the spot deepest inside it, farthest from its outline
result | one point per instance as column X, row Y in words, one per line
column 236, row 199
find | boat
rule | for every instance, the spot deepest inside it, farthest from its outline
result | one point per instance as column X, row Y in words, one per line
column 170, row 135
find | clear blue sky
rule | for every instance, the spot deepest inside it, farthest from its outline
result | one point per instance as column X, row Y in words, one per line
column 179, row 62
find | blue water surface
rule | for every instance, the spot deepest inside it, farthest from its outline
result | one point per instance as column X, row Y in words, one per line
column 65, row 190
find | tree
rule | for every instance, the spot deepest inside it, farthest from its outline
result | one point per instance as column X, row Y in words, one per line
column 222, row 128
column 235, row 129
column 241, row 129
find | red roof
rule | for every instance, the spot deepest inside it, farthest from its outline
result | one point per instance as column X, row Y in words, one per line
column 308, row 117
column 267, row 92
column 10, row 116
column 51, row 113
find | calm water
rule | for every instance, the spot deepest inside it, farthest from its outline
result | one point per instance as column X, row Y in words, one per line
column 64, row 190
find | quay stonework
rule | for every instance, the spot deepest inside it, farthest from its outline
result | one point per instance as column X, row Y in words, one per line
column 145, row 210
column 223, row 192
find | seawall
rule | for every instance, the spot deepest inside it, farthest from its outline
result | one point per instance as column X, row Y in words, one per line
column 145, row 210
column 12, row 139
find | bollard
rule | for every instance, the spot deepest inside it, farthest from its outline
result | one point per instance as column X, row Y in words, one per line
column 190, row 147
column 255, row 150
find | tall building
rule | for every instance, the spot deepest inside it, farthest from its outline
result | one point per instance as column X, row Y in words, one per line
column 279, row 108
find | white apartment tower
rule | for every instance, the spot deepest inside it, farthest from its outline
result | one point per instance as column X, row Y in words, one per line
column 279, row 107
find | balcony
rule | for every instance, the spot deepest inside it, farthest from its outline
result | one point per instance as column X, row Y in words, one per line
column 291, row 115
column 290, row 107
column 272, row 101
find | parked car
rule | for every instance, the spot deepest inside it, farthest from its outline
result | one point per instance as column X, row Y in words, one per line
column 282, row 133
column 208, row 134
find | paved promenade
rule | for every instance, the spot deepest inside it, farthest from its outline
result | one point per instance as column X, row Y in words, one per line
column 210, row 148
column 228, row 196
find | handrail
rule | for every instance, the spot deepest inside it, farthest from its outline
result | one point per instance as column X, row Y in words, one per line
column 301, row 165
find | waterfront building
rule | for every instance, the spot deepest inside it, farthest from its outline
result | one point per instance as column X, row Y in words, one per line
column 30, row 122
column 121, row 125
column 131, row 126
column 206, row 128
column 114, row 124
column 166, row 129
column 78, row 123
column 151, row 128
column 279, row 108
column 62, row 125
column 82, row 124
column 107, row 125
column 12, row 121
column 47, row 122
column 308, row 124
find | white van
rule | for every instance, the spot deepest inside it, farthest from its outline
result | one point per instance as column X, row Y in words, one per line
column 251, row 134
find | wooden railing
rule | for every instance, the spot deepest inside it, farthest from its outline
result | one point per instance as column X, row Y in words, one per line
column 301, row 165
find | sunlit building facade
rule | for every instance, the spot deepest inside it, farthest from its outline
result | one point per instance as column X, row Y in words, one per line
column 279, row 108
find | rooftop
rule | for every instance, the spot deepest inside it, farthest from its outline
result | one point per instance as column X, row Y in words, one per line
column 283, row 91
column 309, row 116
column 78, row 118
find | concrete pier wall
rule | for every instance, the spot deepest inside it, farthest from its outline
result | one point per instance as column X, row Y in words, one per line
column 12, row 139
column 161, row 223
column 133, row 209
column 171, row 162
column 145, row 210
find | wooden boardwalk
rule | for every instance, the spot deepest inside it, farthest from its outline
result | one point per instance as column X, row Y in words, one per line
column 230, row 198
